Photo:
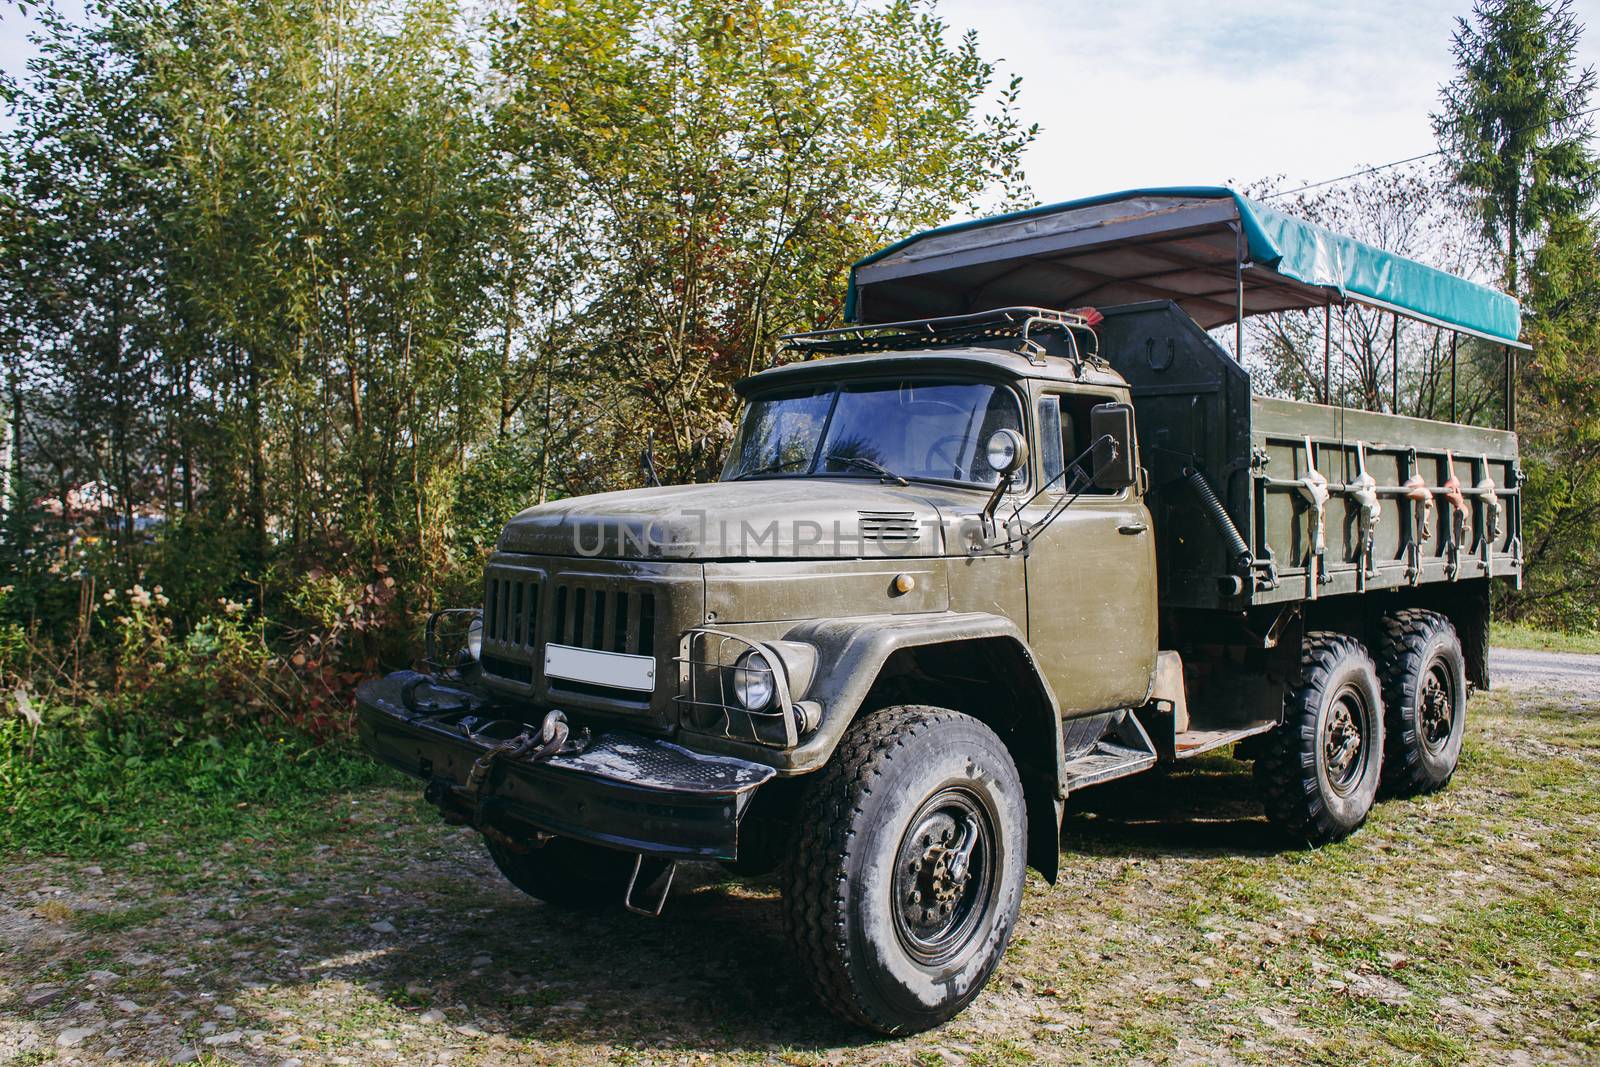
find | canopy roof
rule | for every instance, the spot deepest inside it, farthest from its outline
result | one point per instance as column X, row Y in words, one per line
column 1182, row 244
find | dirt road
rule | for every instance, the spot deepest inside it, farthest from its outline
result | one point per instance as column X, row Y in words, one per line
column 1520, row 671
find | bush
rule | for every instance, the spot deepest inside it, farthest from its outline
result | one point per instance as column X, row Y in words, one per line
column 86, row 788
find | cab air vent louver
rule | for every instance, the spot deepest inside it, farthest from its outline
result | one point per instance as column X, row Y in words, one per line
column 896, row 526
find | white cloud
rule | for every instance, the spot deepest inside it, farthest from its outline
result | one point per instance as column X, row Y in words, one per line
column 1157, row 92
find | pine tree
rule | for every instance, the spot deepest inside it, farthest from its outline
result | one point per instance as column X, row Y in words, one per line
column 1514, row 123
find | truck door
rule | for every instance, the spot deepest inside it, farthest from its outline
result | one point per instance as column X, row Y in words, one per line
column 1091, row 574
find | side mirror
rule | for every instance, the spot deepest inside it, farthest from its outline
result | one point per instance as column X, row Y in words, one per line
column 1111, row 426
column 1006, row 451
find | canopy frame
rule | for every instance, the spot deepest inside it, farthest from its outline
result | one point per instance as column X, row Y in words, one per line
column 1218, row 255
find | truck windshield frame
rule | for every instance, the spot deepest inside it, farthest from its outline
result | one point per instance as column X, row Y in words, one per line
column 922, row 428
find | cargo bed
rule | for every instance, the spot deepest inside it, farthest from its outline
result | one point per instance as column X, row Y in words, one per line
column 1198, row 419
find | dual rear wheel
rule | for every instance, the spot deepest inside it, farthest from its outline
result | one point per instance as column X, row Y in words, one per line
column 1352, row 725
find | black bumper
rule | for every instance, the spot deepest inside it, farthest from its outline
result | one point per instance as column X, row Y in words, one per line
column 621, row 790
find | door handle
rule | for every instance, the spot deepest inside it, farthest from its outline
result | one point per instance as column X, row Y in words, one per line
column 1132, row 528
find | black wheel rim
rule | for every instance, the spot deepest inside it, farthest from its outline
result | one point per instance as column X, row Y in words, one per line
column 1436, row 707
column 944, row 875
column 1345, row 740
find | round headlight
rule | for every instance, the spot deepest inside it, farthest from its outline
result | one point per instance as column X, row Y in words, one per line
column 1006, row 450
column 475, row 638
column 752, row 681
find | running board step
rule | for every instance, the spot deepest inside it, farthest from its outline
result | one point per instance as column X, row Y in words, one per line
column 1125, row 750
column 1107, row 761
column 1195, row 742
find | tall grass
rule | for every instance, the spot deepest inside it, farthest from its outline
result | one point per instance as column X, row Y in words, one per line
column 92, row 790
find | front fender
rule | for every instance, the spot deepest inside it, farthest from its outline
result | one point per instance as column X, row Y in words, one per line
column 852, row 651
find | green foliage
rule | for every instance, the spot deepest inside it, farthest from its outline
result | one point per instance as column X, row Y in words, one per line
column 730, row 161
column 302, row 301
column 1513, row 124
column 95, row 788
column 1561, row 430
column 1515, row 129
column 502, row 479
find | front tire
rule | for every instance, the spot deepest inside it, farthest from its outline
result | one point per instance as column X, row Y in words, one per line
column 1318, row 772
column 904, row 883
column 1425, row 691
column 573, row 874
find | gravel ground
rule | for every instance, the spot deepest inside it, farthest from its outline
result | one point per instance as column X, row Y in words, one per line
column 1460, row 927
column 1524, row 671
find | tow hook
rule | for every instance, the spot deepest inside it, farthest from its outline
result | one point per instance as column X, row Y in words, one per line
column 661, row 901
column 550, row 739
column 462, row 805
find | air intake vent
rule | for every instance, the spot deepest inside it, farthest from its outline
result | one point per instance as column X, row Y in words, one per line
column 511, row 611
column 899, row 527
column 604, row 619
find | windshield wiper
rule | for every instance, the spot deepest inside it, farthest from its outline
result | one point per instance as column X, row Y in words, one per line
column 770, row 468
column 870, row 465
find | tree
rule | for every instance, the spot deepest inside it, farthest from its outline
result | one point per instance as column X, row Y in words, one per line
column 730, row 160
column 1561, row 430
column 1514, row 122
column 319, row 292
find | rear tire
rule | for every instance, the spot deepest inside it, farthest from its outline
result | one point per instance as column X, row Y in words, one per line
column 904, row 882
column 573, row 874
column 1424, row 676
column 1319, row 771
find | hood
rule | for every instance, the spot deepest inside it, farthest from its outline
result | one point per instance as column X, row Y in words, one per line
column 778, row 518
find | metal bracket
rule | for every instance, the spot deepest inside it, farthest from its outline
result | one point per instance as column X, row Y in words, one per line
column 661, row 902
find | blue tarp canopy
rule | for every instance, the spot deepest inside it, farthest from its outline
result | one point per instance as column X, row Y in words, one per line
column 1192, row 245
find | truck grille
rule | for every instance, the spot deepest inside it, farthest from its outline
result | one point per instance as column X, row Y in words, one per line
column 608, row 620
column 520, row 613
column 511, row 611
column 615, row 607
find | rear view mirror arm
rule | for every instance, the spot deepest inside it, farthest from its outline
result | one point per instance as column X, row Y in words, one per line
column 1079, row 483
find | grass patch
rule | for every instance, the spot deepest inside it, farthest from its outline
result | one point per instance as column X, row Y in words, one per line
column 93, row 794
column 111, row 922
column 1459, row 927
column 1512, row 635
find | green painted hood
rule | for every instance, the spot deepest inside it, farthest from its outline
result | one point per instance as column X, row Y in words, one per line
column 776, row 518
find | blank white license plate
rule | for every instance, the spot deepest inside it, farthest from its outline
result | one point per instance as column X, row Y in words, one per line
column 615, row 669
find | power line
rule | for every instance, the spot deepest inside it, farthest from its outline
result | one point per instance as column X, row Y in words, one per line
column 1402, row 162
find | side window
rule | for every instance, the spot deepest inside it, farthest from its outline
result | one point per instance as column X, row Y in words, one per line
column 1051, row 440
column 1064, row 436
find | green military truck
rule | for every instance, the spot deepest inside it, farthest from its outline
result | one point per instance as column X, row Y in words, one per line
column 967, row 556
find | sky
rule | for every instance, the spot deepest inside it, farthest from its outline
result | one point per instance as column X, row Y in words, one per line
column 1192, row 92
column 1155, row 92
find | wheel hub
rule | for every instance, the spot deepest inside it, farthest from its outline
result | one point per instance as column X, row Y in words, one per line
column 1435, row 711
column 940, row 874
column 1343, row 742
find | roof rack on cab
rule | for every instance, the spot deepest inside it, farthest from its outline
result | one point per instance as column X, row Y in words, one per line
column 1021, row 323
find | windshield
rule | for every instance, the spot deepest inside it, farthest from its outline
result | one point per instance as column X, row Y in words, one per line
column 914, row 429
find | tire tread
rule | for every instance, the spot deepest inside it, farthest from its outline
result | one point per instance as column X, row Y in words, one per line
column 814, row 873
column 1405, row 637
column 1285, row 768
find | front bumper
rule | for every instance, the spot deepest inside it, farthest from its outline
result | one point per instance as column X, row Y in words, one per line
column 617, row 789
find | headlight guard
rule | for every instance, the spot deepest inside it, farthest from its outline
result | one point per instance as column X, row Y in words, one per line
column 744, row 689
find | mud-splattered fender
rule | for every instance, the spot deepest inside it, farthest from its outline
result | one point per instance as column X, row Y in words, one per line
column 851, row 653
